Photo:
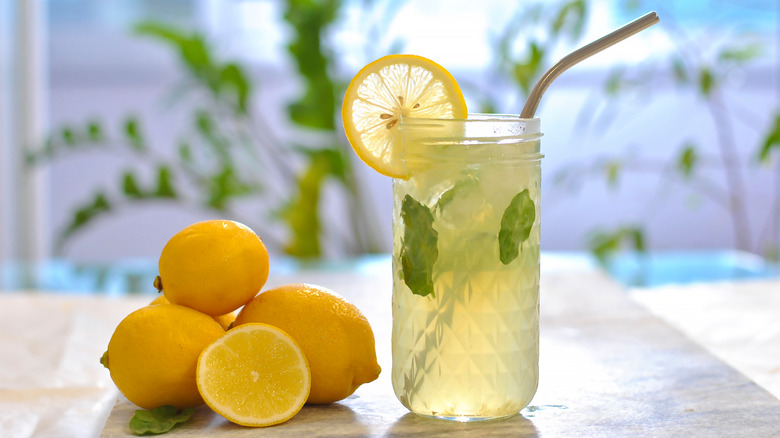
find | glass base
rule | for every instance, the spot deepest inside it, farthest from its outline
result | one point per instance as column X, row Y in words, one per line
column 464, row 418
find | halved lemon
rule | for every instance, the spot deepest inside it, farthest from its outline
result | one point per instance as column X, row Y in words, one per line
column 385, row 90
column 254, row 375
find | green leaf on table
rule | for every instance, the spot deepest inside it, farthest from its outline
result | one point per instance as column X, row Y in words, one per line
column 159, row 420
column 419, row 246
column 771, row 141
column 516, row 224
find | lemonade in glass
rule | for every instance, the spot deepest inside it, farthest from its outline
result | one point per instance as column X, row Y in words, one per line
column 465, row 238
column 465, row 337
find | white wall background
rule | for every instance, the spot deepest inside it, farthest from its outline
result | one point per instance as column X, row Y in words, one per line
column 100, row 72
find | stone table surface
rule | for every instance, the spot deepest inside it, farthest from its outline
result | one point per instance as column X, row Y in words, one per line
column 607, row 368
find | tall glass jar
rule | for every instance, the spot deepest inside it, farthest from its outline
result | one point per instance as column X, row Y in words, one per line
column 465, row 338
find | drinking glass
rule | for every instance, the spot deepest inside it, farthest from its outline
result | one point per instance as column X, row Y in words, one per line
column 465, row 339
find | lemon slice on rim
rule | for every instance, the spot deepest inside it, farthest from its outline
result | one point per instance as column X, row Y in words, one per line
column 254, row 375
column 385, row 90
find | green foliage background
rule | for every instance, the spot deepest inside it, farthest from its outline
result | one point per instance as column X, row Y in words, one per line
column 228, row 154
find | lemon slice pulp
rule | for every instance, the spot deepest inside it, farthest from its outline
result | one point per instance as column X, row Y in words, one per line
column 254, row 375
column 385, row 90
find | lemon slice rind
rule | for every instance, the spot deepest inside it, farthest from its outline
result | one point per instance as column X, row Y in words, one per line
column 385, row 90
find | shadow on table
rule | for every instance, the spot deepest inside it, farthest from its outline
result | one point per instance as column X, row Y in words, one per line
column 417, row 425
column 312, row 420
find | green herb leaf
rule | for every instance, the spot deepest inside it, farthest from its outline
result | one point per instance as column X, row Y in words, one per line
column 771, row 140
column 612, row 169
column 185, row 153
column 130, row 186
column 133, row 134
column 82, row 216
column 615, row 83
column 525, row 72
column 301, row 212
column 681, row 75
column 419, row 249
column 741, row 54
column 310, row 22
column 604, row 244
column 516, row 226
column 706, row 81
column 158, row 420
column 209, row 129
column 164, row 187
column 233, row 78
column 94, row 131
column 68, row 136
column 571, row 18
column 687, row 160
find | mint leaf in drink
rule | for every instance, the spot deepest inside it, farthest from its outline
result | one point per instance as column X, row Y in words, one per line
column 419, row 249
column 158, row 420
column 516, row 226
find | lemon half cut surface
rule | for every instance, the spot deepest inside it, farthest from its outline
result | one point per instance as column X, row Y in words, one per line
column 384, row 91
column 255, row 375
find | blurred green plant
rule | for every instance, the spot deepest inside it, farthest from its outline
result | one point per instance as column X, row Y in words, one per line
column 228, row 154
column 523, row 50
column 706, row 68
column 550, row 26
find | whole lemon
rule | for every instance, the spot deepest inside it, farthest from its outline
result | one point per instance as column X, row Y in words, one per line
column 223, row 320
column 335, row 337
column 153, row 354
column 213, row 266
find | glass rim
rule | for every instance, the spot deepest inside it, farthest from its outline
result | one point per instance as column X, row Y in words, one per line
column 512, row 124
column 475, row 117
column 478, row 128
column 501, row 117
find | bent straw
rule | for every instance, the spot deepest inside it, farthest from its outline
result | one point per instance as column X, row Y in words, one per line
column 582, row 53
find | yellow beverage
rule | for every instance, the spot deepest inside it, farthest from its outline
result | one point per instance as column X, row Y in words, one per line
column 466, row 267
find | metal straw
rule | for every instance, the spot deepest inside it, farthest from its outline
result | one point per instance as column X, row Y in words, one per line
column 582, row 53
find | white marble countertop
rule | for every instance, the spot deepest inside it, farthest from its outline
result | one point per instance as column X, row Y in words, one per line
column 608, row 365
